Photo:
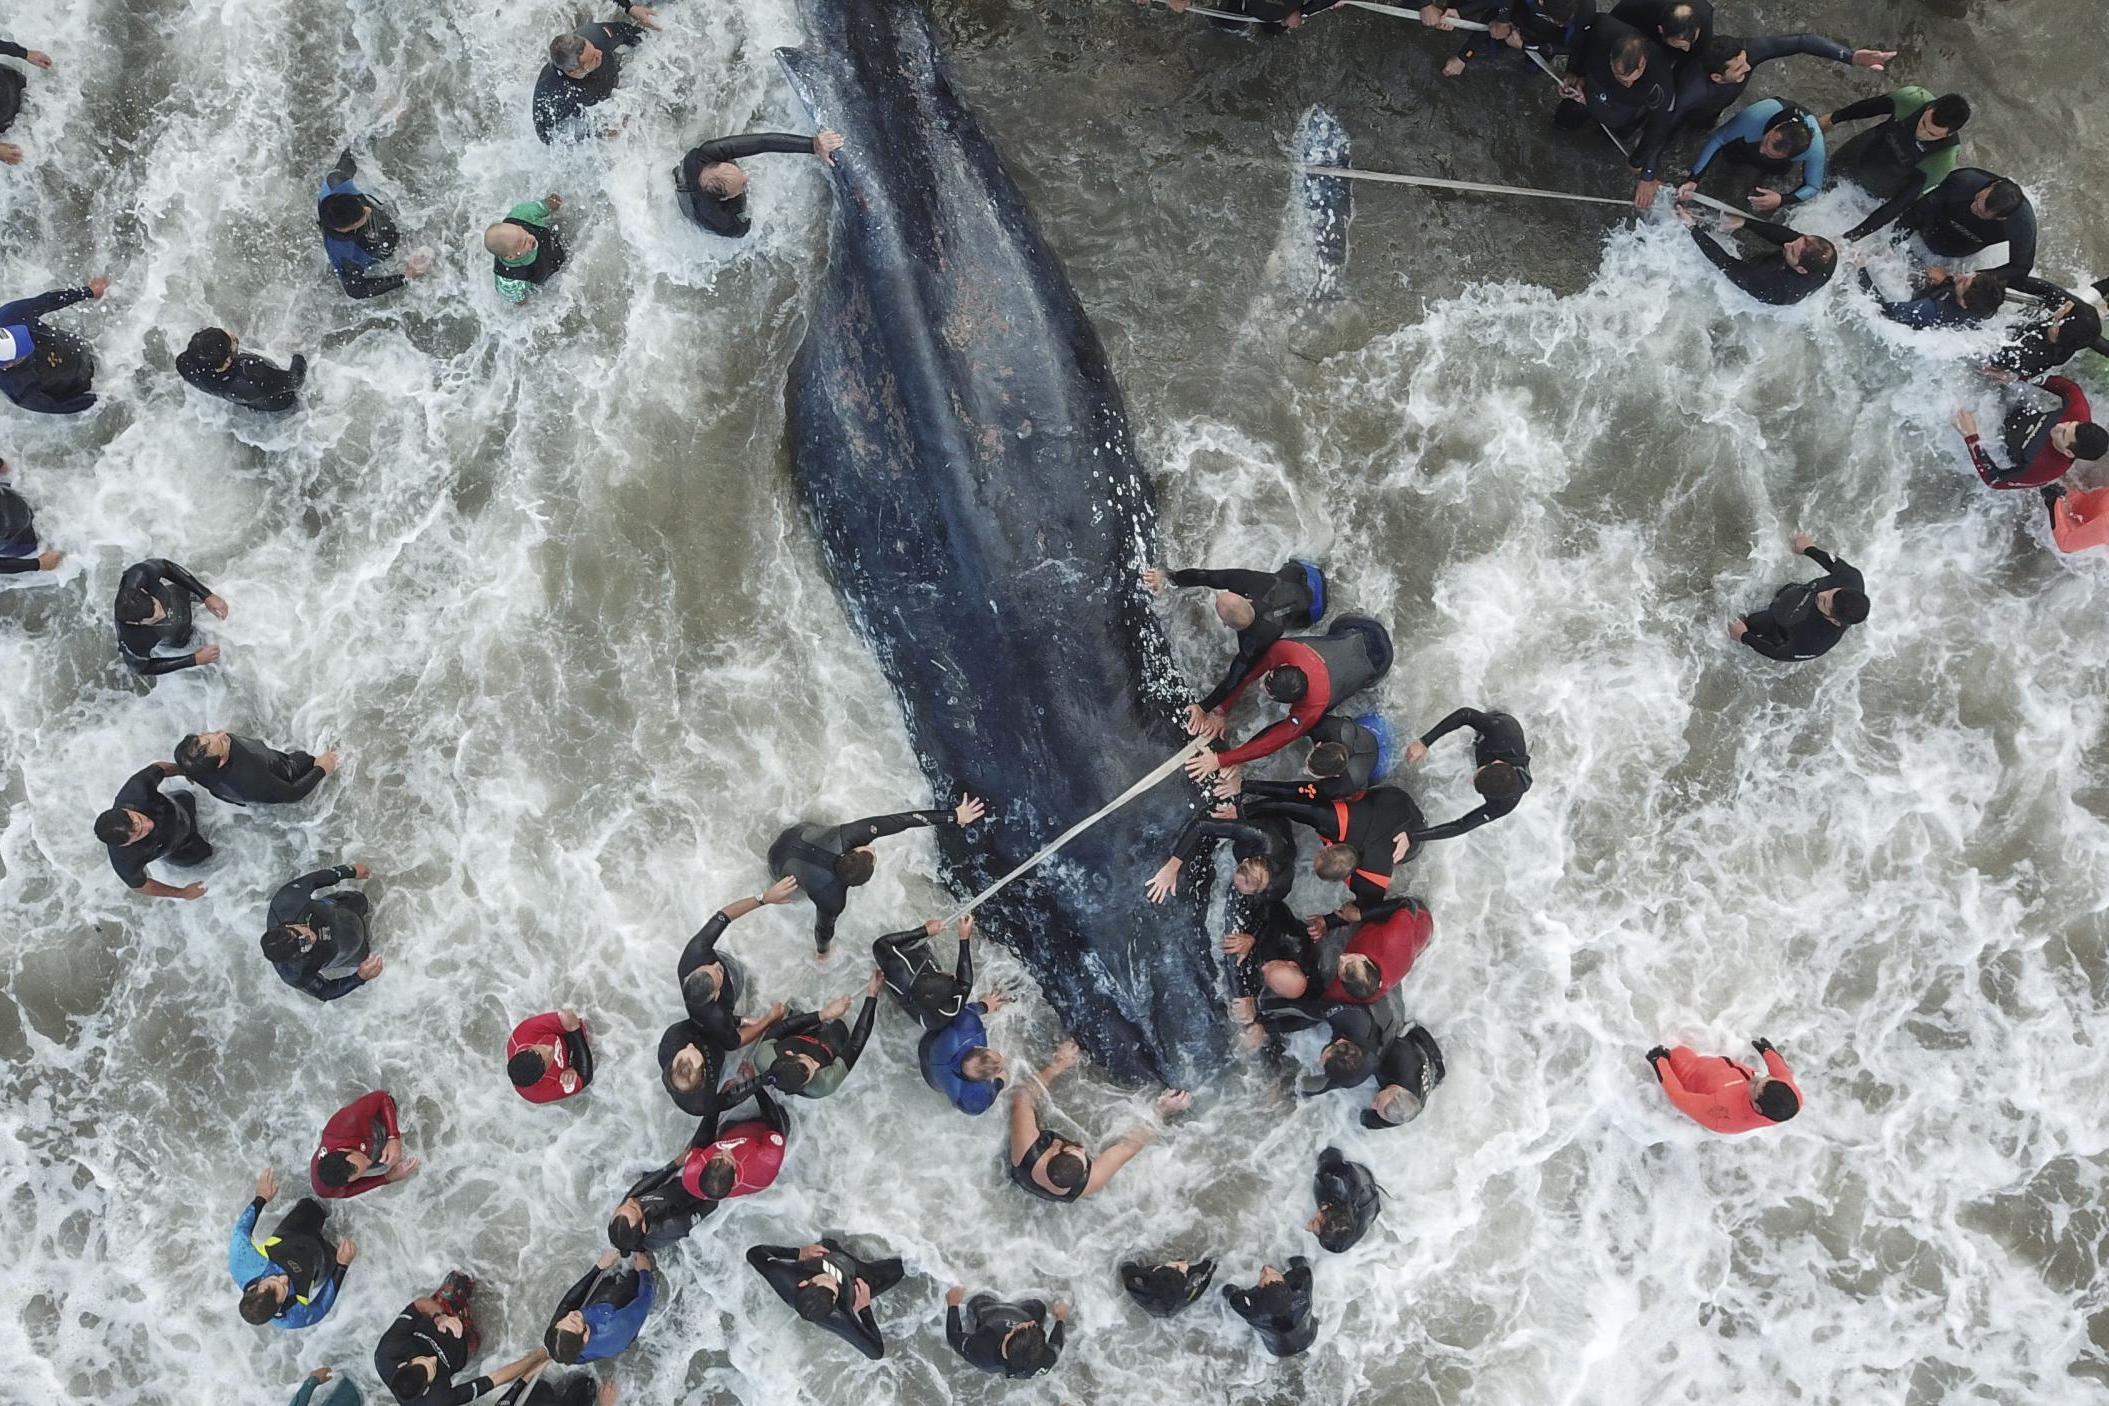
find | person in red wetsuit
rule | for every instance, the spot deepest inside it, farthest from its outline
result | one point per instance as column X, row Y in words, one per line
column 2078, row 520
column 361, row 1148
column 1311, row 674
column 548, row 1057
column 740, row 1159
column 1380, row 953
column 1726, row 1097
column 2044, row 444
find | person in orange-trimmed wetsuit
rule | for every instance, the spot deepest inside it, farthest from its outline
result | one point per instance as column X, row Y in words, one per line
column 1723, row 1096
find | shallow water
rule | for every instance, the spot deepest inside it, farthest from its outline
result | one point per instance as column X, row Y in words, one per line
column 543, row 576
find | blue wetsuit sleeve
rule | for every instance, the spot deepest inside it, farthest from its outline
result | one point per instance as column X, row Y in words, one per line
column 243, row 1261
column 23, row 309
column 1745, row 126
column 1814, row 164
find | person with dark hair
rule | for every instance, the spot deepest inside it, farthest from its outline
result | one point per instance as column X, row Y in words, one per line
column 1356, row 1036
column 740, row 1158
column 2044, row 444
column 525, row 249
column 1311, row 674
column 291, row 1278
column 691, row 1059
column 1407, row 1072
column 1626, row 82
column 933, row 996
column 1710, row 82
column 1908, row 153
column 710, row 983
column 343, row 1394
column 657, row 1212
column 1795, row 266
column 153, row 613
column 1009, row 1339
column 1366, row 839
column 1769, row 136
column 1348, row 1202
column 1806, row 618
column 549, row 1057
column 1501, row 768
column 318, row 941
column 18, row 534
column 1942, row 299
column 560, row 1389
column 143, row 826
column 432, row 1340
column 359, row 234
column 602, row 1313
column 711, row 187
column 1552, row 28
column 215, row 363
column 245, row 772
column 830, row 860
column 1971, row 211
column 1260, row 606
column 361, row 1148
column 11, row 88
column 1347, row 757
column 2063, row 326
column 1380, row 952
column 827, row 1285
column 956, row 1059
column 2078, row 521
column 1279, row 1307
column 1056, row 1169
column 1168, row 1289
column 45, row 369
column 1265, row 851
column 1723, row 1096
column 583, row 69
column 809, row 1053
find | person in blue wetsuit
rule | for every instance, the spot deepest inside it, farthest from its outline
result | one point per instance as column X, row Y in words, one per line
column 43, row 368
column 1769, row 136
column 1501, row 759
column 289, row 1279
column 1942, row 299
column 956, row 1059
column 1807, row 618
column 359, row 235
column 319, row 941
column 601, row 1314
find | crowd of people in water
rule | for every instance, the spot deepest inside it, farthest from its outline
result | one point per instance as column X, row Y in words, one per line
column 1662, row 78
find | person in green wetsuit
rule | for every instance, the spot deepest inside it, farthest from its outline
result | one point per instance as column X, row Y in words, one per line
column 524, row 247
column 1914, row 148
column 342, row 1394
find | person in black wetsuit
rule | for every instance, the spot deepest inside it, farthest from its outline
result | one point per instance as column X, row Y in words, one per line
column 826, row 1284
column 1408, row 1070
column 1807, row 618
column 2064, row 326
column 359, row 234
column 1052, row 1167
column 1277, row 968
column 1279, row 1306
column 1356, row 1039
column 1942, row 299
column 1009, row 1339
column 1686, row 26
column 657, row 1212
column 830, row 860
column 710, row 984
column 1348, row 1201
column 691, row 1059
column 1971, row 211
column 1347, row 756
column 1265, row 851
column 1366, row 840
column 561, row 1389
column 153, row 612
column 11, row 86
column 711, row 187
column 1719, row 71
column 244, row 772
column 809, row 1053
column 433, row 1339
column 319, row 941
column 18, row 534
column 1795, row 266
column 1501, row 762
column 922, row 987
column 143, row 827
column 1165, row 1290
column 1625, row 81
column 215, row 363
column 1911, row 151
column 583, row 69
column 1261, row 607
column 47, row 369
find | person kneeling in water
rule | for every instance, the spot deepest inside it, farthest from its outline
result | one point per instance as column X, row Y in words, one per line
column 603, row 1312
column 318, row 941
column 711, row 187
column 2044, row 443
column 656, row 1212
column 1795, row 266
column 1407, row 1072
column 1009, row 1339
column 18, row 534
column 710, row 984
column 1806, row 618
column 548, row 1057
column 1055, row 1169
column 524, row 247
column 1279, row 1306
column 830, row 860
column 740, row 1159
column 433, row 1339
column 359, row 234
column 244, row 772
column 956, row 1059
column 215, row 363
column 359, row 1138
column 153, row 613
column 1163, row 1290
column 1348, row 1201
column 1942, row 299
column 142, row 826
column 1723, row 1096
column 291, row 1279
column 826, row 1284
